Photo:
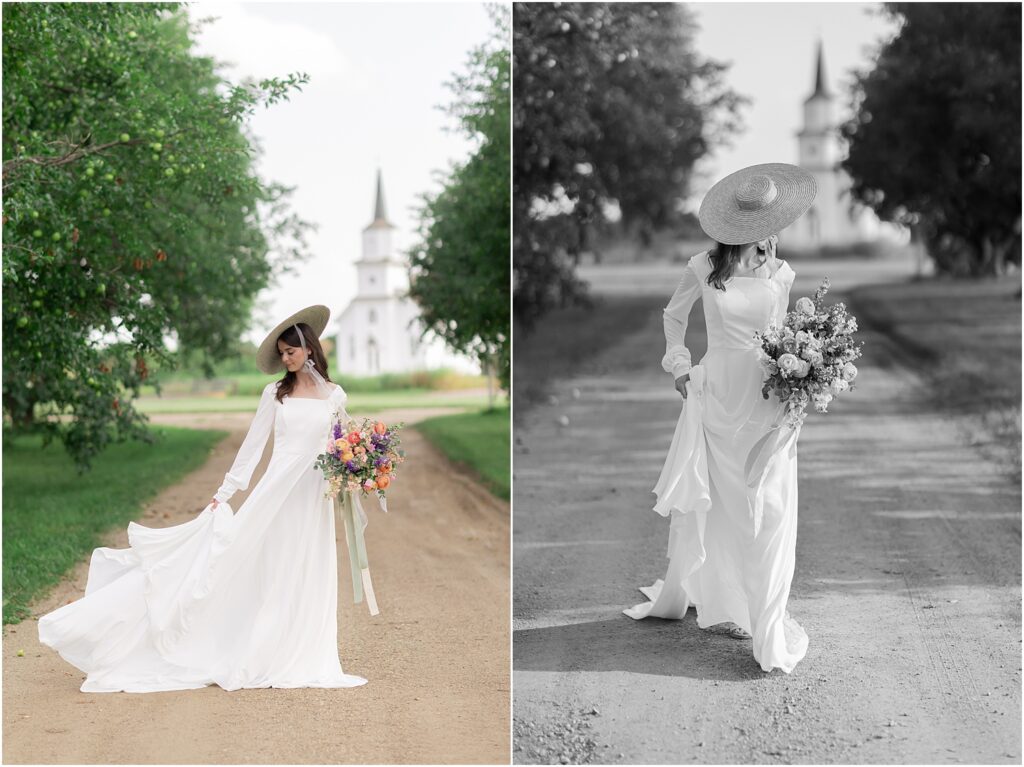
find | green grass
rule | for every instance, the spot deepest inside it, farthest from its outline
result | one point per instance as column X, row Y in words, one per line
column 479, row 441
column 52, row 516
column 370, row 402
column 964, row 335
column 251, row 382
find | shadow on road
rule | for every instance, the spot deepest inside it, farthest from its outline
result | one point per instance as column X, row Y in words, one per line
column 651, row 646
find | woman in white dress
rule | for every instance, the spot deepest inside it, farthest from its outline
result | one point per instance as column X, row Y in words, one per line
column 730, row 479
column 241, row 600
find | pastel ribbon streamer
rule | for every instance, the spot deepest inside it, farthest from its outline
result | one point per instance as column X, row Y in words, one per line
column 760, row 459
column 354, row 519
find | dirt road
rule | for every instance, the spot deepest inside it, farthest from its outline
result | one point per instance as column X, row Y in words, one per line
column 437, row 656
column 907, row 582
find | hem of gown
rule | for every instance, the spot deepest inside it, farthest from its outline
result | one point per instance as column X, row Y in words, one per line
column 346, row 682
column 653, row 592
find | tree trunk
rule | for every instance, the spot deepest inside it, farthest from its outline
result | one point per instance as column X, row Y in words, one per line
column 22, row 417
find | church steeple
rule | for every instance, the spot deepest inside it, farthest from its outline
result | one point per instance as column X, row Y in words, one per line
column 820, row 80
column 380, row 216
column 819, row 146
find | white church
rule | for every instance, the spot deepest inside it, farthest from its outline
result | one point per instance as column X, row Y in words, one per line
column 380, row 330
column 834, row 219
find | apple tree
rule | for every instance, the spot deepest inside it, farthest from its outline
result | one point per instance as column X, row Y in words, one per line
column 133, row 218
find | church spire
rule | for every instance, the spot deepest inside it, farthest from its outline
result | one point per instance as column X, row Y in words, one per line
column 820, row 81
column 380, row 216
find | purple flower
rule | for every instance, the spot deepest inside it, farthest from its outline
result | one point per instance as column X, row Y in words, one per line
column 351, row 466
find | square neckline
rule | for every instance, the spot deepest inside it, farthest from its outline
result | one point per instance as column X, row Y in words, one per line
column 783, row 263
column 313, row 399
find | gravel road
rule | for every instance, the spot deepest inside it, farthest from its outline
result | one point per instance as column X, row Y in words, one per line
column 437, row 656
column 907, row 578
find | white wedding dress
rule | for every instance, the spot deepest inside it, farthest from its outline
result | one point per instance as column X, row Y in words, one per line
column 730, row 478
column 239, row 600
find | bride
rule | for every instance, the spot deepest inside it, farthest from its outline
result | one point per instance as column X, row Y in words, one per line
column 241, row 600
column 729, row 482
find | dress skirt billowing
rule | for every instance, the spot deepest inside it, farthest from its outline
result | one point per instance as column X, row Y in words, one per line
column 729, row 484
column 238, row 600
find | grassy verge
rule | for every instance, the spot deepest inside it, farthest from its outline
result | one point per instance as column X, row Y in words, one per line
column 479, row 441
column 235, row 382
column 965, row 336
column 369, row 402
column 52, row 517
column 565, row 339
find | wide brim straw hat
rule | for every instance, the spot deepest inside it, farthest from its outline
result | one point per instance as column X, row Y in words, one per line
column 268, row 359
column 754, row 202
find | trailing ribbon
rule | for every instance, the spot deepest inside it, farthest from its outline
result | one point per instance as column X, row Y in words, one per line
column 361, row 583
column 760, row 459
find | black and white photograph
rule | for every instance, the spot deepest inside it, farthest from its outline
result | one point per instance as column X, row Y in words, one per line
column 766, row 383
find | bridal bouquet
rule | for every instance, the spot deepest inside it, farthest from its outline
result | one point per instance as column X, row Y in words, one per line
column 360, row 456
column 810, row 358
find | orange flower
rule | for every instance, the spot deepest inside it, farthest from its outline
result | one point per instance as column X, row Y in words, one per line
column 383, row 482
column 379, row 427
column 353, row 438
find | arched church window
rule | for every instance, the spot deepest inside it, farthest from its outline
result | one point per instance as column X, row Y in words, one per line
column 351, row 347
column 372, row 356
column 814, row 223
column 372, row 316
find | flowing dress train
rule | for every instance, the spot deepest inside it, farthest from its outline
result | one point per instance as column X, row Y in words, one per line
column 729, row 482
column 241, row 600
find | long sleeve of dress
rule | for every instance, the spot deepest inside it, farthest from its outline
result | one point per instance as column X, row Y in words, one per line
column 676, row 316
column 251, row 451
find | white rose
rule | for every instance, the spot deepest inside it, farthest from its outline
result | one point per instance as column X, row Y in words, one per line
column 839, row 386
column 788, row 363
column 803, row 370
column 812, row 356
column 805, row 306
column 849, row 372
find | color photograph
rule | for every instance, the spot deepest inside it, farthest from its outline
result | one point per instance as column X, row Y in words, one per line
column 256, row 383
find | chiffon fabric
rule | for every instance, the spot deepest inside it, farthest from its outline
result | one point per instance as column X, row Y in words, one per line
column 241, row 600
column 729, row 482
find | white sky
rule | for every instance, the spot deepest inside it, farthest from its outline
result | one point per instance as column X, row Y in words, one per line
column 377, row 74
column 772, row 48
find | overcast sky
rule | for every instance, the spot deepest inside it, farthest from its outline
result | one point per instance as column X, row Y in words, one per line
column 377, row 75
column 772, row 48
column 378, row 72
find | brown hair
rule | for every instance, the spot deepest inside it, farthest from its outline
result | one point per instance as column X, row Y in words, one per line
column 723, row 259
column 291, row 337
